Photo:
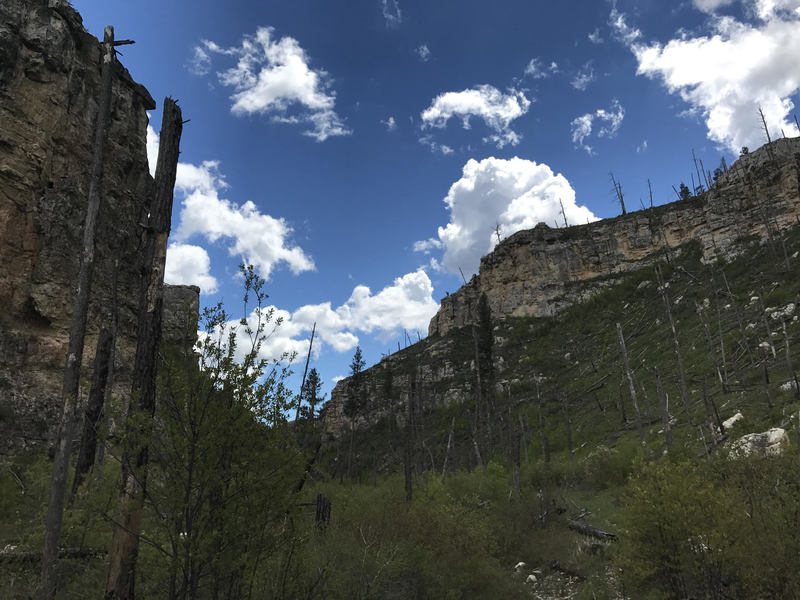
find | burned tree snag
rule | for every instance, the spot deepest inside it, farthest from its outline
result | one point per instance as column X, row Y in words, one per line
column 664, row 401
column 618, row 192
column 542, row 435
column 629, row 376
column 94, row 408
column 681, row 371
column 70, row 385
column 125, row 541
column 567, row 424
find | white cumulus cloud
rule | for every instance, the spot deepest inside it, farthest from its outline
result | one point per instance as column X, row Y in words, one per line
column 710, row 6
column 273, row 77
column 250, row 235
column 584, row 77
column 390, row 124
column 189, row 265
column 583, row 126
column 726, row 75
column 392, row 13
column 513, row 194
column 405, row 304
column 485, row 102
column 423, row 52
column 537, row 69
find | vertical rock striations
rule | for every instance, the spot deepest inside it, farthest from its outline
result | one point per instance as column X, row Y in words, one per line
column 540, row 271
column 49, row 89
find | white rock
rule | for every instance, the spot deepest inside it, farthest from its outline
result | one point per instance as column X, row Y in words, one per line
column 531, row 578
column 728, row 423
column 519, row 566
column 779, row 314
column 768, row 443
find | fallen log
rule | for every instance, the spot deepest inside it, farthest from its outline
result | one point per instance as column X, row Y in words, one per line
column 30, row 556
column 590, row 530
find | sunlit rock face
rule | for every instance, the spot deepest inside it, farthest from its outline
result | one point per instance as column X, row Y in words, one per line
column 540, row 271
column 49, row 90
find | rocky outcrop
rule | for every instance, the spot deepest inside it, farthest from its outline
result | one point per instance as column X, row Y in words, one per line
column 541, row 271
column 49, row 89
column 768, row 443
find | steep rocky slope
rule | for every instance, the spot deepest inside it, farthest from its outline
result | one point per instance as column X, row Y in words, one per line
column 542, row 272
column 49, row 89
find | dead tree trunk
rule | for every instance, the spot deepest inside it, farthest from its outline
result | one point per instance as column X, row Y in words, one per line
column 629, row 376
column 103, row 421
column 449, row 443
column 125, row 541
column 523, row 437
column 681, row 371
column 542, row 434
column 696, row 168
column 305, row 372
column 789, row 366
column 710, row 342
column 71, row 381
column 664, row 401
column 722, row 349
column 94, row 408
column 567, row 423
column 766, row 133
column 618, row 192
column 407, row 435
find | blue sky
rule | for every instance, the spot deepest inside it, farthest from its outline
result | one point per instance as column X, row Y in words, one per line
column 360, row 153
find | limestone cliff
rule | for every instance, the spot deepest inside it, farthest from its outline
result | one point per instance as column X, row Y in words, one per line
column 49, row 89
column 540, row 271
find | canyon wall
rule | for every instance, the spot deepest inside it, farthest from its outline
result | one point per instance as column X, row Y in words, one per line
column 540, row 271
column 49, row 90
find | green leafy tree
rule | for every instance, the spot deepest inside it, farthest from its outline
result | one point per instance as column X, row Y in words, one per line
column 684, row 192
column 225, row 462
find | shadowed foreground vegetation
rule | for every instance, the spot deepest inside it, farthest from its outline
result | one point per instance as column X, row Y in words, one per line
column 238, row 498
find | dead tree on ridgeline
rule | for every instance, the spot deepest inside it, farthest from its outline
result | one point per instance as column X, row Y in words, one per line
column 618, row 192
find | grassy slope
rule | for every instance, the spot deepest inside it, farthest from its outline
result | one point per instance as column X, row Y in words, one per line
column 576, row 355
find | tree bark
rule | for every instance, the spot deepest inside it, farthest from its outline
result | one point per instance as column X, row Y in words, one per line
column 70, row 384
column 125, row 541
column 590, row 530
column 103, row 424
column 542, row 435
column 662, row 398
column 629, row 376
column 678, row 355
column 94, row 408
column 567, row 424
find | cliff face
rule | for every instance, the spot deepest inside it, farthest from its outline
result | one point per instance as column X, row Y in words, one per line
column 49, row 89
column 541, row 271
